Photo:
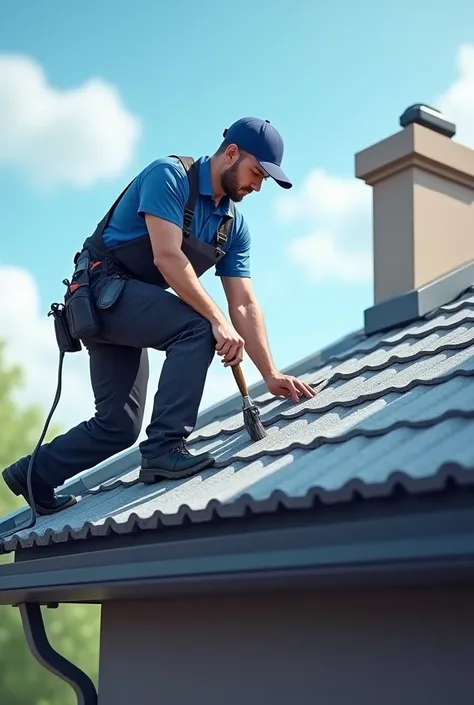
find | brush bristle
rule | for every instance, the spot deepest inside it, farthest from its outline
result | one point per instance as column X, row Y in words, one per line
column 253, row 424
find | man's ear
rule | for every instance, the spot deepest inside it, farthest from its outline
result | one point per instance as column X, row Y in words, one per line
column 231, row 153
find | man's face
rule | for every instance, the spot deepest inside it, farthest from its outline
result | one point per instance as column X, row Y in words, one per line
column 242, row 176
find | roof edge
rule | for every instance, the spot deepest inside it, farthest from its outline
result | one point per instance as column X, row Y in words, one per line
column 360, row 544
column 408, row 307
column 458, row 478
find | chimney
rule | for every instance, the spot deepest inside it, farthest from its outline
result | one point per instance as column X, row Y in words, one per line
column 423, row 218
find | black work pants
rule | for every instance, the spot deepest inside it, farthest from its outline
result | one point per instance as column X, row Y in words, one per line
column 144, row 316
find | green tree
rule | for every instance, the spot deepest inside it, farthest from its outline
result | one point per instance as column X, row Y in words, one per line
column 73, row 630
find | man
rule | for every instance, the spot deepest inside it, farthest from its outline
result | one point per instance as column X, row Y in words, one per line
column 156, row 237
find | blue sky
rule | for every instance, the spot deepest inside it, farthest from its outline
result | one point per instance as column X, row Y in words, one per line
column 332, row 78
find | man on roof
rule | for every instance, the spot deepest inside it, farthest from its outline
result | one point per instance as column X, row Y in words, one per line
column 176, row 220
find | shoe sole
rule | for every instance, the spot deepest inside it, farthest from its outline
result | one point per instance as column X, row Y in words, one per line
column 151, row 475
column 18, row 490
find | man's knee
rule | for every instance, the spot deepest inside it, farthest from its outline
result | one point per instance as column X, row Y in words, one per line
column 122, row 426
column 202, row 326
column 197, row 328
column 202, row 331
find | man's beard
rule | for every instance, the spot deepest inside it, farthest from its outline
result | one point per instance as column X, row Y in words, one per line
column 229, row 182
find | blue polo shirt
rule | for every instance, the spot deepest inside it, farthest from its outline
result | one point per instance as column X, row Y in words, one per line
column 162, row 189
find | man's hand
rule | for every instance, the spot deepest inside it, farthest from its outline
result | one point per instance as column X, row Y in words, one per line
column 288, row 386
column 229, row 344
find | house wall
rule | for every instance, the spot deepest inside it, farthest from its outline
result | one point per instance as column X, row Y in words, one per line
column 391, row 648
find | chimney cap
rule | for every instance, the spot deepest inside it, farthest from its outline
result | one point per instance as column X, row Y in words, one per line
column 429, row 117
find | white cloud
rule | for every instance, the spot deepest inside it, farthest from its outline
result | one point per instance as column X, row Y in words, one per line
column 457, row 102
column 31, row 343
column 320, row 257
column 338, row 246
column 77, row 136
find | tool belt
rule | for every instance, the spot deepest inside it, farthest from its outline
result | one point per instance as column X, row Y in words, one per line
column 80, row 306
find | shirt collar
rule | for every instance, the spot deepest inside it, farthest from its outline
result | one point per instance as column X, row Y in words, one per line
column 205, row 186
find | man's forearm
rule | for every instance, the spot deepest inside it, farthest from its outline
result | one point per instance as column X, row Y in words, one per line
column 181, row 277
column 249, row 323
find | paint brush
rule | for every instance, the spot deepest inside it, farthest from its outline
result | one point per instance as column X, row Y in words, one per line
column 251, row 412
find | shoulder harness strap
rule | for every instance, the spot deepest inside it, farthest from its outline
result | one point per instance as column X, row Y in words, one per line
column 193, row 176
column 106, row 219
column 191, row 168
column 225, row 226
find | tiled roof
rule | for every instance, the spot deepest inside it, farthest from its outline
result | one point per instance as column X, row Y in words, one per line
column 393, row 410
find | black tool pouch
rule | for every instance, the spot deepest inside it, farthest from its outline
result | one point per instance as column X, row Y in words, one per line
column 80, row 313
column 111, row 292
column 79, row 305
column 66, row 343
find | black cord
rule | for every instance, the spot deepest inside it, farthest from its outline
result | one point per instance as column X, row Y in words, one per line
column 34, row 514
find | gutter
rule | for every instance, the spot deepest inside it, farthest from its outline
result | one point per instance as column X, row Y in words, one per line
column 344, row 553
column 37, row 639
column 427, row 547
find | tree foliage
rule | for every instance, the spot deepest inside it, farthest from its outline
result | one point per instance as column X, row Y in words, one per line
column 73, row 630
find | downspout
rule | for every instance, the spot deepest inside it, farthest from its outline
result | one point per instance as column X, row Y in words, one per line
column 43, row 652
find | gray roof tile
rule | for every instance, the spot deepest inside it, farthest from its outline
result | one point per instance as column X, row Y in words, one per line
column 392, row 408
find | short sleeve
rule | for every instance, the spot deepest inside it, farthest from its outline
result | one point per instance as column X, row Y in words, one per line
column 236, row 262
column 163, row 192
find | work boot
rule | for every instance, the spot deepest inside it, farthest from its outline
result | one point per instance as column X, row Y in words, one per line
column 46, row 501
column 174, row 465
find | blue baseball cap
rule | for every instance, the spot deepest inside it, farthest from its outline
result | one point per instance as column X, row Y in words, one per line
column 259, row 138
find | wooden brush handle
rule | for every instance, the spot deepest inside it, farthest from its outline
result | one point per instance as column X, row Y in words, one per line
column 239, row 378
